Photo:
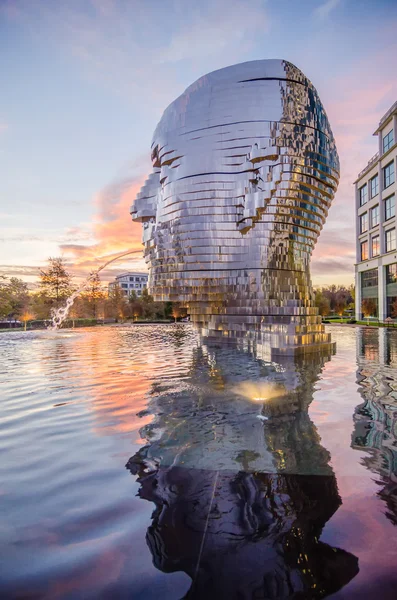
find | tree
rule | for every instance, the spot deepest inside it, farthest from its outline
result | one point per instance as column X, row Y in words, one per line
column 167, row 310
column 393, row 309
column 19, row 293
column 338, row 295
column 159, row 309
column 176, row 311
column 340, row 306
column 78, row 310
column 27, row 316
column 40, row 305
column 147, row 304
column 14, row 297
column 116, row 305
column 322, row 303
column 352, row 291
column 369, row 307
column 55, row 281
column 5, row 304
column 93, row 296
column 135, row 306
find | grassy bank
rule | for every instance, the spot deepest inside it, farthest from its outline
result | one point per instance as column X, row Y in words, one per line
column 76, row 323
column 365, row 322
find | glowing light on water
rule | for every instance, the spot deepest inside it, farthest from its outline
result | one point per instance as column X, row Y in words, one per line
column 61, row 313
column 261, row 391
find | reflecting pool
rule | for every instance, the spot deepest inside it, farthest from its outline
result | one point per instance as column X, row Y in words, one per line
column 138, row 462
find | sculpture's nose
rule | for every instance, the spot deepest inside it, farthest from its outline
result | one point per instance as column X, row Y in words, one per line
column 144, row 206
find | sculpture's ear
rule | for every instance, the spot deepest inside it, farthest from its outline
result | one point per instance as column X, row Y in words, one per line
column 264, row 174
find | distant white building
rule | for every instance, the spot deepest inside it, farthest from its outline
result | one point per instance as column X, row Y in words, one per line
column 130, row 282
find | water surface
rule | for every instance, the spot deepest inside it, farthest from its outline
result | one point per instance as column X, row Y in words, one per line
column 138, row 462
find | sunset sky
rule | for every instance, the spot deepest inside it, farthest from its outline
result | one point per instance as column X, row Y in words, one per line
column 84, row 83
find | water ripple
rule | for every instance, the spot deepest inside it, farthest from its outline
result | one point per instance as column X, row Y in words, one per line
column 233, row 464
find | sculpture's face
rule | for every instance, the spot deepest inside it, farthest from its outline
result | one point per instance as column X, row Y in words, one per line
column 245, row 168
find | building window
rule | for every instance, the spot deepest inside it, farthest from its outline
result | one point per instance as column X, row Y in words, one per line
column 369, row 278
column 375, row 216
column 388, row 174
column 132, row 278
column 388, row 141
column 364, row 250
column 390, row 207
column 390, row 240
column 363, row 193
column 124, row 286
column 364, row 222
column 391, row 306
column 374, row 183
column 391, row 273
column 375, row 246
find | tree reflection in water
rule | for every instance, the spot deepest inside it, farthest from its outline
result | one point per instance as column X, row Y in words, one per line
column 241, row 484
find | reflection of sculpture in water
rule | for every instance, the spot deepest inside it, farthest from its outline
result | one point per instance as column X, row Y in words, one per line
column 375, row 420
column 245, row 168
column 242, row 486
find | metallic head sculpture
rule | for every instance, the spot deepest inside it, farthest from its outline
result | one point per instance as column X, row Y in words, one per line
column 244, row 170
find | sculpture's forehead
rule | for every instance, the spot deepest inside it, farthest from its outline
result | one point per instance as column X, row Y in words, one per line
column 250, row 91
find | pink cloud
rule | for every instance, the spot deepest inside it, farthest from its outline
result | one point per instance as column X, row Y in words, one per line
column 356, row 104
column 112, row 229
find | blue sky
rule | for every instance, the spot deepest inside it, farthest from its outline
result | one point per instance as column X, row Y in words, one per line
column 85, row 82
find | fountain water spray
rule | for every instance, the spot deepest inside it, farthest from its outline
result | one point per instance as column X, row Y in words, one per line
column 60, row 314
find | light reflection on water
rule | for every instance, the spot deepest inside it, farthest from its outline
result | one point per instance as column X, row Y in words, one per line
column 292, row 496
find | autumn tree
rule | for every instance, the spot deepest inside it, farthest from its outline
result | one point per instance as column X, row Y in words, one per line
column 338, row 296
column 393, row 309
column 78, row 310
column 40, row 306
column 55, row 281
column 369, row 307
column 340, row 306
column 135, row 306
column 26, row 316
column 352, row 291
column 147, row 302
column 5, row 305
column 93, row 296
column 116, row 305
column 322, row 303
column 14, row 297
column 176, row 311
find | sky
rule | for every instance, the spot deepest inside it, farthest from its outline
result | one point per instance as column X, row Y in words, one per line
column 84, row 83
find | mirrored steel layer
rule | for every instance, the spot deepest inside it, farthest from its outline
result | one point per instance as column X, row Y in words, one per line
column 245, row 168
